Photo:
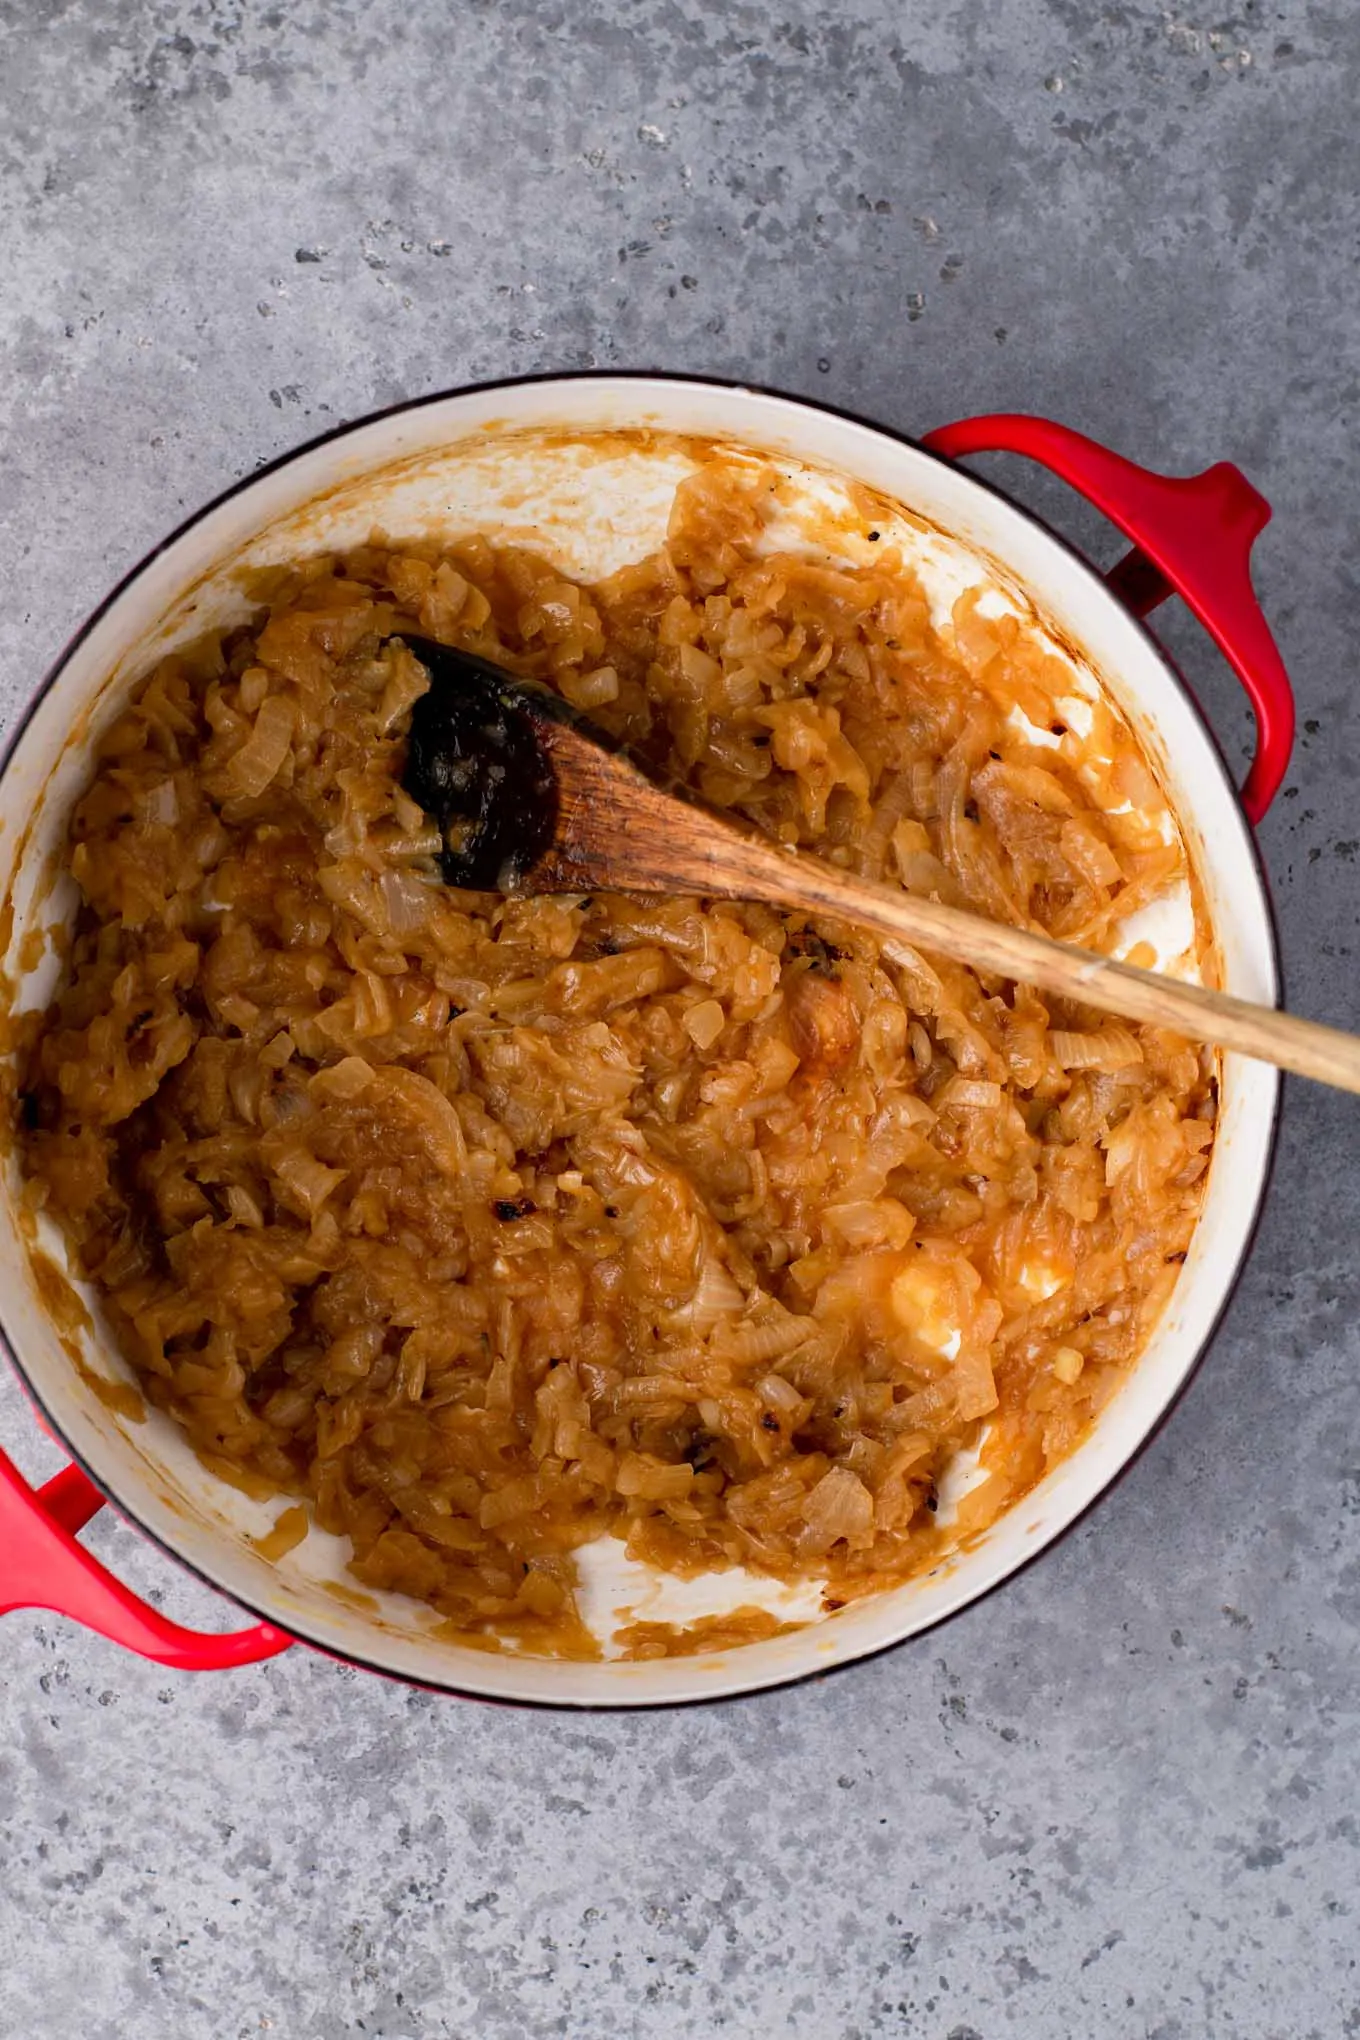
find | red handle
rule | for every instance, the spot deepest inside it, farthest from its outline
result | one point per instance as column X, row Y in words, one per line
column 42, row 1566
column 1192, row 536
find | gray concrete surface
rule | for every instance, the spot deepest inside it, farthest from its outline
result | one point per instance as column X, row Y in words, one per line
column 1121, row 1797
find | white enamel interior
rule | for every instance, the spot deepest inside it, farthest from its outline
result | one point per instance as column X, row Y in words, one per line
column 503, row 460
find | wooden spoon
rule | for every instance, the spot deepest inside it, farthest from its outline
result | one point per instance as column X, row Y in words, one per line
column 531, row 797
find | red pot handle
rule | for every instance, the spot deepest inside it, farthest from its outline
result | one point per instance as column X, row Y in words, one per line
column 42, row 1566
column 1192, row 536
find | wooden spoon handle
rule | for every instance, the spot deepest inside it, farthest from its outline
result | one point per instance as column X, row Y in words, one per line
column 1304, row 1046
column 630, row 834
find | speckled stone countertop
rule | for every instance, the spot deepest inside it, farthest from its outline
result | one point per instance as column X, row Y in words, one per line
column 1120, row 1797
